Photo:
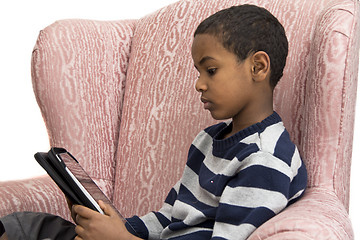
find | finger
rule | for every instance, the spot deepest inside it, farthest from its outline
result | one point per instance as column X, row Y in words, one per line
column 79, row 231
column 70, row 205
column 108, row 210
column 102, row 204
column 73, row 216
column 83, row 211
column 79, row 220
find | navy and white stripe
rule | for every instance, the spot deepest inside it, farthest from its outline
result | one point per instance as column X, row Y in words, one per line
column 229, row 186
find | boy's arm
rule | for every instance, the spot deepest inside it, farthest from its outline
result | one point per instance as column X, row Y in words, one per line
column 253, row 196
column 152, row 224
column 92, row 225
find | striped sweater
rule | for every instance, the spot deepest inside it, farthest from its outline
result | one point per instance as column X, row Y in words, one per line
column 229, row 186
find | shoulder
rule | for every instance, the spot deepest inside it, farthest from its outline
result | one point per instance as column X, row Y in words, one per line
column 278, row 151
column 275, row 139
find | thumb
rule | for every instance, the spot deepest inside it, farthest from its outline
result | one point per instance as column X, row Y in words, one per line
column 108, row 210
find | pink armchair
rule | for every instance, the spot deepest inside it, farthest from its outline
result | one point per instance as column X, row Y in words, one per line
column 120, row 96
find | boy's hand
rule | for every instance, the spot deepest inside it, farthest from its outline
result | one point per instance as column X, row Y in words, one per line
column 92, row 225
column 70, row 205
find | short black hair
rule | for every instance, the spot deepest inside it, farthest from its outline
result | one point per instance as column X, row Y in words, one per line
column 246, row 29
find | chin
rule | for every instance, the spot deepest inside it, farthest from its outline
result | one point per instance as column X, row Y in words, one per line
column 219, row 116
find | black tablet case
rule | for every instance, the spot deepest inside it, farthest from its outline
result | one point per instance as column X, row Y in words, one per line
column 56, row 170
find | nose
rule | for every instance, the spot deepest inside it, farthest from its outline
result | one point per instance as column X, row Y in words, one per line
column 200, row 85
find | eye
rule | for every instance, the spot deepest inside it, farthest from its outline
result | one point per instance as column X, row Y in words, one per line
column 211, row 71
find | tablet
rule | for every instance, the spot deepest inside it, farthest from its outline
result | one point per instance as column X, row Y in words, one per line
column 71, row 178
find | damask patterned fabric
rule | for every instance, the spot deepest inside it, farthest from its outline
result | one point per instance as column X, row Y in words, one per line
column 78, row 71
column 120, row 96
column 82, row 105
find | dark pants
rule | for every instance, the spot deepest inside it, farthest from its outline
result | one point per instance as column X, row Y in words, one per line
column 36, row 226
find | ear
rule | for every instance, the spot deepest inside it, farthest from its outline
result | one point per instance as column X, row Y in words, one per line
column 260, row 66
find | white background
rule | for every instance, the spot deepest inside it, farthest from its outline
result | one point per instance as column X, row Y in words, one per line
column 22, row 131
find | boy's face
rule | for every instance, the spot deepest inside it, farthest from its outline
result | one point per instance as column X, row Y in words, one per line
column 225, row 83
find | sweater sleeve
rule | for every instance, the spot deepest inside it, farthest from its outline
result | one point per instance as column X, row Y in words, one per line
column 254, row 195
column 151, row 225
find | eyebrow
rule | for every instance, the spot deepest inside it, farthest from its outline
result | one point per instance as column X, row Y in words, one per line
column 205, row 59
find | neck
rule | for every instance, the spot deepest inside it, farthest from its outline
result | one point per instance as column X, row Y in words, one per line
column 254, row 114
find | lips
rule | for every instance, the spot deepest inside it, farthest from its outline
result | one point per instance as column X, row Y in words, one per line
column 206, row 102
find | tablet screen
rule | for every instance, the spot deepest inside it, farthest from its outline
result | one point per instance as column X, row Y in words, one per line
column 82, row 179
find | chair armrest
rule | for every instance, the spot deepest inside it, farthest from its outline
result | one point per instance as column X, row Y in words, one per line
column 318, row 215
column 38, row 194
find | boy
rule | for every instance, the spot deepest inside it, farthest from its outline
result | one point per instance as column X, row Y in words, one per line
column 239, row 173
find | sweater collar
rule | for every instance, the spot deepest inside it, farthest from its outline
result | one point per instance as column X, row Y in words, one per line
column 222, row 144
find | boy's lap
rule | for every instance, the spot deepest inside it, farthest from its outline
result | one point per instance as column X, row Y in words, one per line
column 31, row 225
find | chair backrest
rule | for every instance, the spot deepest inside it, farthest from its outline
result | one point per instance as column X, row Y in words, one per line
column 162, row 112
